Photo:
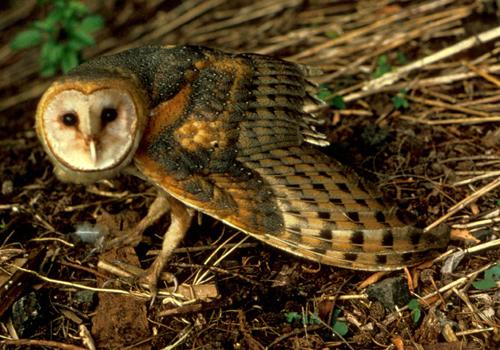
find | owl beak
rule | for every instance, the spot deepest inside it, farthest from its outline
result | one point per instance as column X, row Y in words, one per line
column 93, row 151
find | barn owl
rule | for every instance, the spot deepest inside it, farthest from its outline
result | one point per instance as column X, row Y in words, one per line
column 231, row 136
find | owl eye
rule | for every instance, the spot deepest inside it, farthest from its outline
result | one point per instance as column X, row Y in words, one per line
column 108, row 115
column 70, row 119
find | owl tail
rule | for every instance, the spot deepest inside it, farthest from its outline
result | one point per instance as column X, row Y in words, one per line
column 331, row 216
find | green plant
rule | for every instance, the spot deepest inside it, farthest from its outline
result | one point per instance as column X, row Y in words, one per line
column 401, row 57
column 332, row 35
column 491, row 276
column 399, row 101
column 295, row 316
column 414, row 306
column 340, row 327
column 336, row 101
column 65, row 32
column 323, row 92
column 382, row 67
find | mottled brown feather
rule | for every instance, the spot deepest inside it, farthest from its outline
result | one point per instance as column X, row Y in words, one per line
column 253, row 169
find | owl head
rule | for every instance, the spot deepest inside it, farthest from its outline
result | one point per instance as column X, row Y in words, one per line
column 91, row 128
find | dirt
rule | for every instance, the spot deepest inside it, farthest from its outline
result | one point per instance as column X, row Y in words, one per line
column 258, row 297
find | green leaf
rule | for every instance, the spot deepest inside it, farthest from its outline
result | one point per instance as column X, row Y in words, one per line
column 69, row 60
column 82, row 37
column 53, row 18
column 332, row 35
column 314, row 319
column 68, row 15
column 43, row 26
column 70, row 24
column 401, row 57
column 92, row 23
column 415, row 315
column 381, row 70
column 26, row 39
column 292, row 316
column 487, row 283
column 495, row 270
column 400, row 102
column 382, row 67
column 48, row 49
column 413, row 304
column 382, row 60
column 341, row 328
column 336, row 314
column 323, row 94
column 75, row 45
column 338, row 102
column 52, row 55
column 490, row 276
column 61, row 4
column 48, row 70
column 78, row 8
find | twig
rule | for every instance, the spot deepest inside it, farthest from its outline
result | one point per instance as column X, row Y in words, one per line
column 48, row 343
column 80, row 286
column 448, row 106
column 461, row 121
column 477, row 178
column 484, row 74
column 294, row 332
column 251, row 342
column 483, row 246
column 463, row 203
column 155, row 252
column 474, row 331
column 466, row 44
column 390, row 318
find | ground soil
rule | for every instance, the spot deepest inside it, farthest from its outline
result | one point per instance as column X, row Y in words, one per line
column 259, row 297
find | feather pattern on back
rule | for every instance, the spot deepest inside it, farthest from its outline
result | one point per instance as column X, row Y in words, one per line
column 240, row 150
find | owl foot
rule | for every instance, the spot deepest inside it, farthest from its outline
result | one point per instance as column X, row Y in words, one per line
column 133, row 275
column 158, row 208
column 180, row 221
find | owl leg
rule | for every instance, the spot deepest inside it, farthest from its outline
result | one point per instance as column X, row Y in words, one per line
column 158, row 208
column 180, row 222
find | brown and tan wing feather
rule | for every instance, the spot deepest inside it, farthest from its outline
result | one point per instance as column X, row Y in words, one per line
column 234, row 144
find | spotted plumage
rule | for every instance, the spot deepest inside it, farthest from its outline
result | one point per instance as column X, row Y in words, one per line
column 230, row 136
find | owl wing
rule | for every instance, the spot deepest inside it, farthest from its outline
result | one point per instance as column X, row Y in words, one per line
column 234, row 143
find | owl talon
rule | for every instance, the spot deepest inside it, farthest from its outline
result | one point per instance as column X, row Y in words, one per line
column 180, row 221
column 159, row 207
column 132, row 275
column 151, row 278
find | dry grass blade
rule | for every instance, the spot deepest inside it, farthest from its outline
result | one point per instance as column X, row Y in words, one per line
column 473, row 41
column 463, row 203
